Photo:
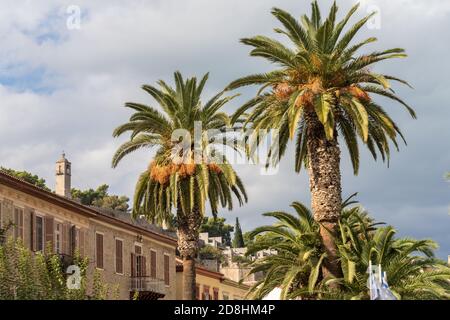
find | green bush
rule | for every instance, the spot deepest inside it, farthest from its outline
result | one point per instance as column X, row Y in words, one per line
column 36, row 276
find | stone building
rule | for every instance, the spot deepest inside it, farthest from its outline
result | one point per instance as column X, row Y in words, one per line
column 133, row 254
column 211, row 285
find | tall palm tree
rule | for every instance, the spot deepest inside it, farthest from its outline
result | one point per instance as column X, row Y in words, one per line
column 183, row 174
column 412, row 271
column 321, row 88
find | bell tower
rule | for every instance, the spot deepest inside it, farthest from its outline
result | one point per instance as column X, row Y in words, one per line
column 63, row 177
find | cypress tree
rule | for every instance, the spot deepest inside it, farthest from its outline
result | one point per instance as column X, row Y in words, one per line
column 238, row 240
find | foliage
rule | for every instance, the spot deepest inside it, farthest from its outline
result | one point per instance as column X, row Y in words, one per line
column 320, row 77
column 28, row 276
column 238, row 240
column 412, row 270
column 216, row 227
column 208, row 252
column 27, row 176
column 4, row 230
column 240, row 259
column 181, row 180
column 101, row 198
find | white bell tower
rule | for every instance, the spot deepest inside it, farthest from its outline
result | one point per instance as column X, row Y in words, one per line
column 63, row 177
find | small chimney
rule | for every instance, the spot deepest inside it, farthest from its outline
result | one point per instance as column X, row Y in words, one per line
column 63, row 177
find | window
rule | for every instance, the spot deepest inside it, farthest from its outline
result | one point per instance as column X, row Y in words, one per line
column 205, row 293
column 197, row 291
column 138, row 262
column 137, row 249
column 119, row 256
column 18, row 223
column 58, row 237
column 215, row 293
column 225, row 296
column 153, row 264
column 39, row 233
column 99, row 250
column 166, row 270
column 80, row 236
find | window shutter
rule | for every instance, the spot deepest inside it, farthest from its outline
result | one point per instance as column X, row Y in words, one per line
column 18, row 223
column 65, row 238
column 32, row 230
column 166, row 270
column 133, row 265
column 49, row 232
column 143, row 266
column 205, row 293
column 1, row 216
column 99, row 250
column 153, row 264
column 82, row 235
column 72, row 240
column 216, row 293
column 119, row 256
column 21, row 224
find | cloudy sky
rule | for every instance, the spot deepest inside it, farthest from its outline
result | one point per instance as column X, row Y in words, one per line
column 63, row 88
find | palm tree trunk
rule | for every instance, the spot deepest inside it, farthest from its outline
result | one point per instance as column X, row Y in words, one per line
column 188, row 228
column 325, row 185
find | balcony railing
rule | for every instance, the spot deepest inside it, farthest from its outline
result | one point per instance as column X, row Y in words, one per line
column 141, row 284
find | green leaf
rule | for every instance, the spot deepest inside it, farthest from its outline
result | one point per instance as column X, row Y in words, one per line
column 322, row 106
column 382, row 80
column 362, row 118
column 314, row 275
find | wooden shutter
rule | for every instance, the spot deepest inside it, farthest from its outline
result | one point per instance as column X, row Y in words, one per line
column 82, row 242
column 49, row 232
column 65, row 235
column 119, row 256
column 143, row 266
column 32, row 230
column 153, row 264
column 166, row 270
column 21, row 224
column 216, row 293
column 133, row 265
column 72, row 240
column 205, row 292
column 18, row 223
column 99, row 250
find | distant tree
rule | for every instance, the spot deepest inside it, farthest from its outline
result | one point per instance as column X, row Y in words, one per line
column 248, row 240
column 217, row 228
column 238, row 241
column 209, row 252
column 100, row 198
column 26, row 176
column 447, row 175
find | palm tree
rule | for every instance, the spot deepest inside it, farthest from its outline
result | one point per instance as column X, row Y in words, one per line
column 412, row 270
column 321, row 89
column 183, row 175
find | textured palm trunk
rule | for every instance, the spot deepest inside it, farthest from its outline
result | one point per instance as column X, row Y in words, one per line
column 325, row 186
column 188, row 228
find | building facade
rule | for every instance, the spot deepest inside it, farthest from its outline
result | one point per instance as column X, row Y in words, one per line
column 211, row 285
column 132, row 254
